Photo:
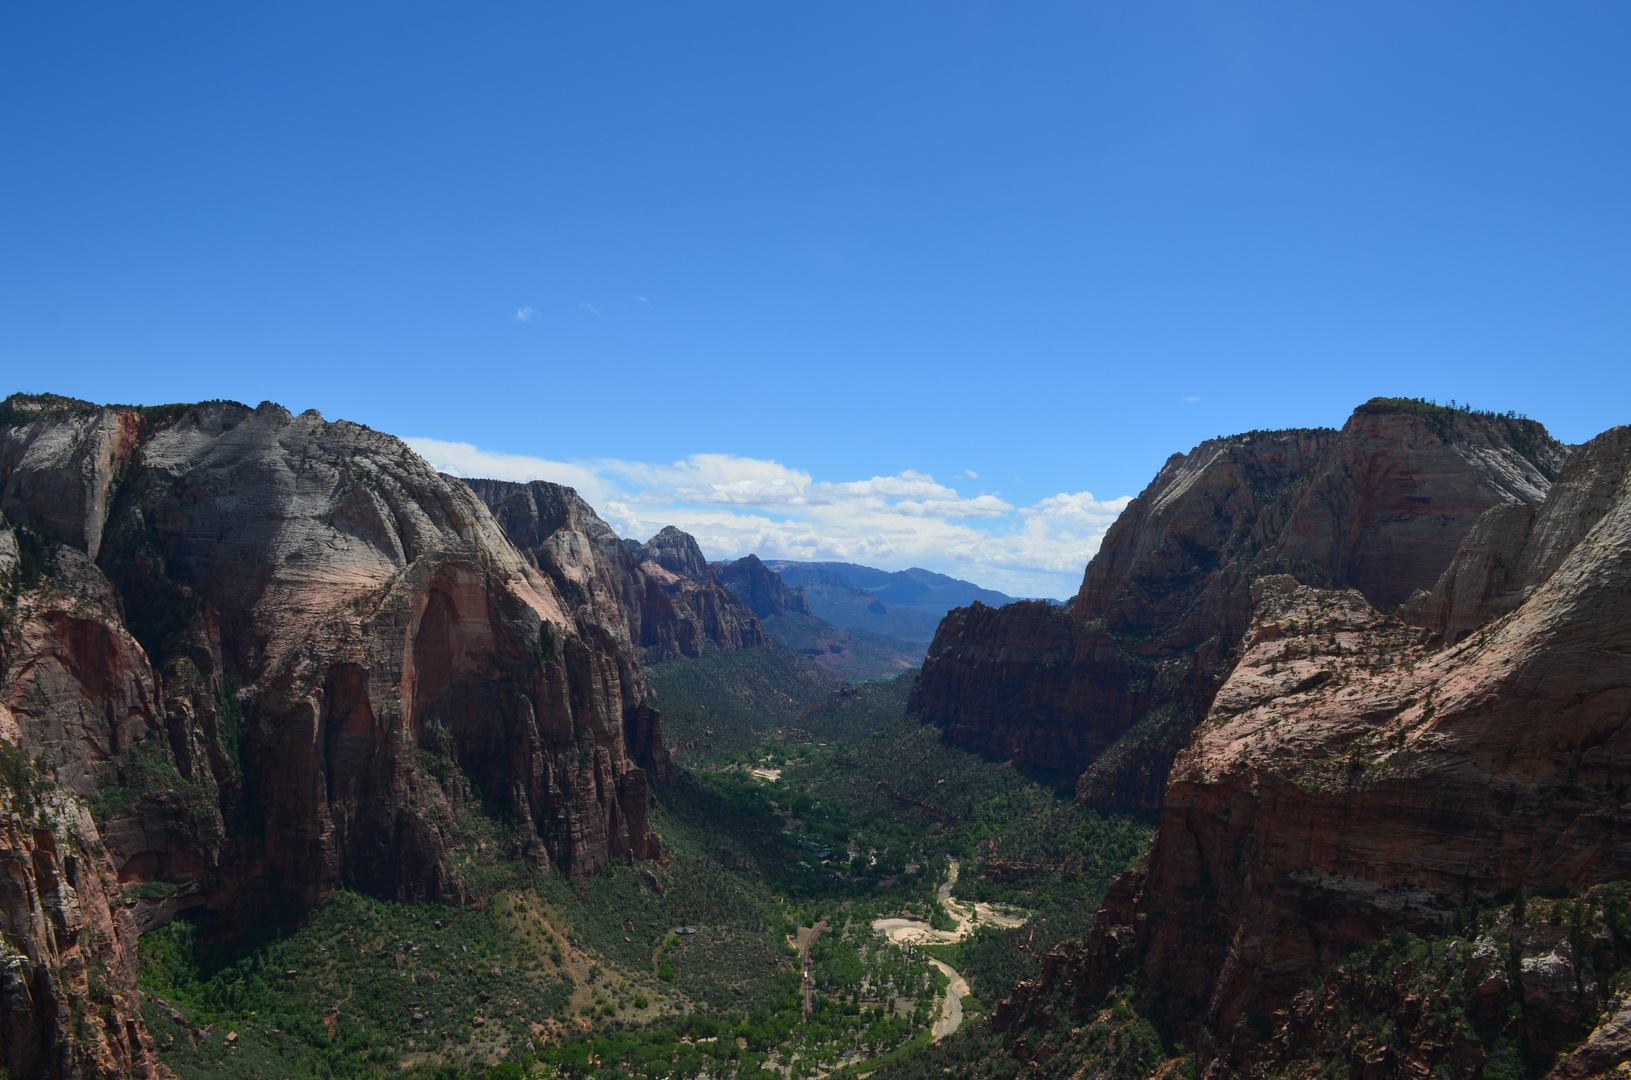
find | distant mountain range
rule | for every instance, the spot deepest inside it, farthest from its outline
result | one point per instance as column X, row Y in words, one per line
column 856, row 621
column 903, row 604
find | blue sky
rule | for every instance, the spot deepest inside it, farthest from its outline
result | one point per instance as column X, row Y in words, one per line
column 930, row 284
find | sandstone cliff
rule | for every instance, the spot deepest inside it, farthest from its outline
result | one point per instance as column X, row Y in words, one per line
column 660, row 598
column 68, row 991
column 273, row 653
column 706, row 611
column 760, row 588
column 69, row 1005
column 1356, row 775
column 1113, row 687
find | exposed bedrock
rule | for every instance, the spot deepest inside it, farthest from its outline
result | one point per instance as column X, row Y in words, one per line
column 760, row 588
column 275, row 649
column 1355, row 775
column 69, row 1004
column 1113, row 687
column 661, row 598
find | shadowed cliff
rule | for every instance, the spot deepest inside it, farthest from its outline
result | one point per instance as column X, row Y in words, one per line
column 1360, row 779
column 254, row 656
column 1113, row 686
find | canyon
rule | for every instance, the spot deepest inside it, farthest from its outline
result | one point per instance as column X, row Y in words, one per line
column 1361, row 774
column 1370, row 684
column 250, row 656
column 1110, row 688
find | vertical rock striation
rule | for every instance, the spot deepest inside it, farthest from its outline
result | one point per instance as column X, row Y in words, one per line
column 661, row 598
column 69, row 1005
column 1355, row 775
column 705, row 611
column 265, row 654
column 1113, row 687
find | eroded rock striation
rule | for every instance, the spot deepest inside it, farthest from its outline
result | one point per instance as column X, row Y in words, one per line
column 1112, row 687
column 660, row 598
column 1358, row 775
column 707, row 613
column 69, row 1005
column 264, row 654
column 760, row 588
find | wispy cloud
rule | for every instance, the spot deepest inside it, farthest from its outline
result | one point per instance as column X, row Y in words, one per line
column 736, row 505
column 639, row 300
column 526, row 313
column 588, row 309
column 1190, row 400
column 463, row 459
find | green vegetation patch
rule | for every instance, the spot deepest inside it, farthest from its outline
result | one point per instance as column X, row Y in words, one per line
column 805, row 805
column 724, row 701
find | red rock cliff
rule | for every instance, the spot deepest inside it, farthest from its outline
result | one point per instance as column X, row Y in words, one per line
column 217, row 610
column 1113, row 687
column 661, row 598
column 1356, row 774
column 69, row 1004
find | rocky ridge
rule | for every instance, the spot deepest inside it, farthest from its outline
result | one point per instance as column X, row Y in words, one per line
column 660, row 598
column 1112, row 687
column 261, row 654
column 1360, row 776
column 760, row 588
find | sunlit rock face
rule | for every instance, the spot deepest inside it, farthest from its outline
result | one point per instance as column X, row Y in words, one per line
column 270, row 652
column 1358, row 773
column 1113, row 687
column 660, row 598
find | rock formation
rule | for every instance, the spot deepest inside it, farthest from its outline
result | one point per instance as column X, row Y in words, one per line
column 69, row 1005
column 660, row 598
column 706, row 611
column 1113, row 687
column 264, row 654
column 760, row 588
column 1357, row 775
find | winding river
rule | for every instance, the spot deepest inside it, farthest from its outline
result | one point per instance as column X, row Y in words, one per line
column 966, row 917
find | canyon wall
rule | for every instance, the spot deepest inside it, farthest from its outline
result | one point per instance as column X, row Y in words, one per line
column 1112, row 687
column 760, row 588
column 661, row 598
column 1358, row 774
column 674, row 562
column 262, row 655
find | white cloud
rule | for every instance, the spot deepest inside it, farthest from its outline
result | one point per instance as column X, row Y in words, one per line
column 736, row 505
column 588, row 309
column 463, row 459
column 1190, row 400
column 526, row 313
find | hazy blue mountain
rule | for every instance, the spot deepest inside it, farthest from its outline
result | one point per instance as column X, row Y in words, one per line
column 904, row 604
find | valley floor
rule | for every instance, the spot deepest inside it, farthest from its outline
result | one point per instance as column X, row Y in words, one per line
column 805, row 806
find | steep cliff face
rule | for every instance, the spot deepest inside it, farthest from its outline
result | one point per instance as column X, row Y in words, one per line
column 760, row 588
column 660, row 598
column 1513, row 549
column 69, row 1005
column 1114, row 687
column 68, row 994
column 266, row 648
column 675, row 551
column 1356, row 775
column 704, row 611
